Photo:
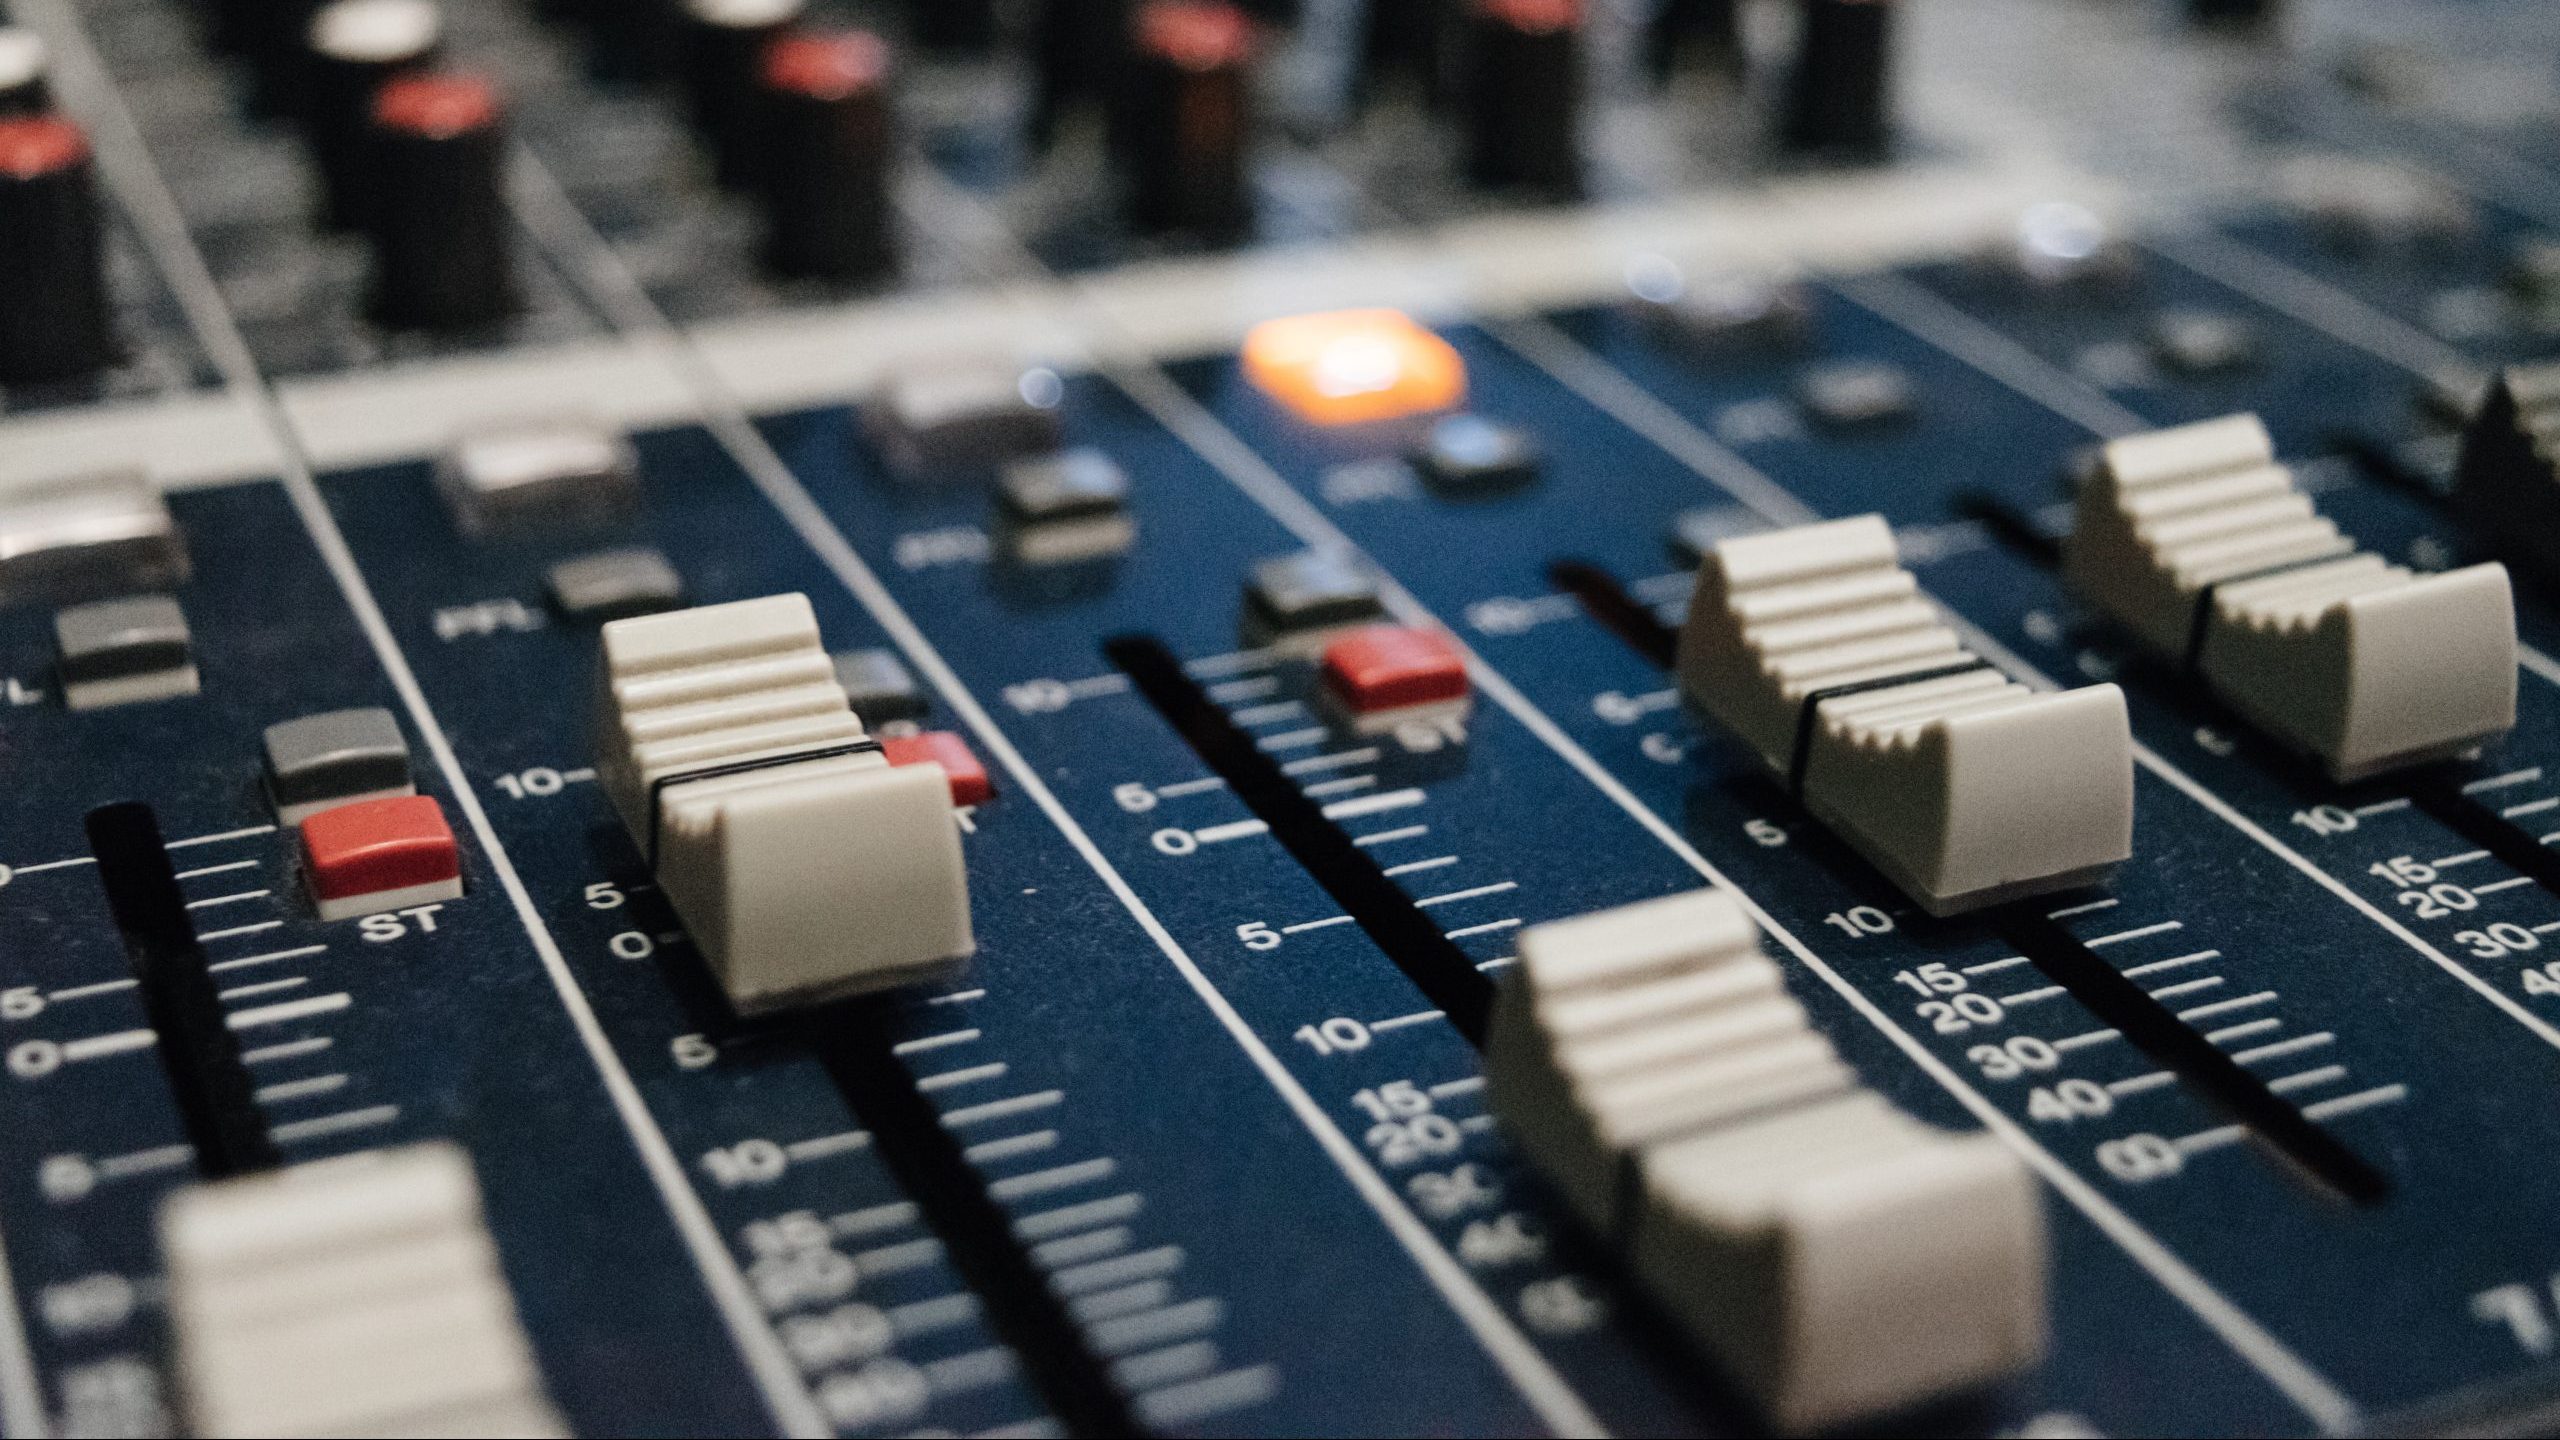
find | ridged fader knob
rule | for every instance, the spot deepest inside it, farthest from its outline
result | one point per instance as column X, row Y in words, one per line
column 443, row 244
column 55, row 322
column 828, row 143
column 1186, row 118
column 358, row 46
column 1523, row 94
column 1839, row 98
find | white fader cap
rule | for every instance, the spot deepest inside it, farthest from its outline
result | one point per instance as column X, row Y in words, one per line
column 2201, row 544
column 1650, row 1063
column 803, row 863
column 357, row 1296
column 1963, row 786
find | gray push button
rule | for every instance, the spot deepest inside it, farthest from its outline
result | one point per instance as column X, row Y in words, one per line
column 1855, row 395
column 1470, row 455
column 534, row 476
column 960, row 416
column 123, row 652
column 615, row 585
column 879, row 686
column 1312, row 590
column 103, row 534
column 1065, row 507
column 320, row 762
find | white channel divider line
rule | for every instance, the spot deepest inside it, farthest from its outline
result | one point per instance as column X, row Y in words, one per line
column 2342, row 317
column 1921, row 324
column 131, row 172
column 548, row 208
column 2313, row 1393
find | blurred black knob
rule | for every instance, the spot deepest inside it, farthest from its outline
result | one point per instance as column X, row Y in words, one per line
column 2236, row 14
column 1078, row 48
column 54, row 317
column 1694, row 33
column 23, row 90
column 274, row 41
column 1523, row 95
column 1402, row 44
column 1186, row 118
column 1839, row 98
column 724, row 43
column 443, row 245
column 829, row 138
column 357, row 46
column 953, row 27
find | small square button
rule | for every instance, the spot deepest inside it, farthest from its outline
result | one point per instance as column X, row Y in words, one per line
column 1470, row 455
column 1312, row 590
column 616, row 585
column 1071, row 485
column 1856, row 395
column 879, row 686
column 1394, row 667
column 119, row 652
column 378, row 855
column 2199, row 343
column 326, row 760
column 969, row 782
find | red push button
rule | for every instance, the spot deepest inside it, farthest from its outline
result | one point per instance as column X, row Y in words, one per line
column 380, row 855
column 1392, row 667
column 969, row 782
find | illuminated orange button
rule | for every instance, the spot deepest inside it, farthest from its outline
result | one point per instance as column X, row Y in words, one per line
column 1347, row 367
column 969, row 782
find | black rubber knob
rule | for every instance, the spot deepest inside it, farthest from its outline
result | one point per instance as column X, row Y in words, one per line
column 443, row 243
column 724, row 43
column 357, row 47
column 1839, row 96
column 830, row 145
column 55, row 322
column 1078, row 50
column 953, row 27
column 1185, row 119
column 1522, row 95
column 23, row 64
column 1403, row 46
column 1694, row 35
column 275, row 45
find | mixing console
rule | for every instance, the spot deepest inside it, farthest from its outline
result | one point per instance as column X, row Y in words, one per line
column 1085, row 717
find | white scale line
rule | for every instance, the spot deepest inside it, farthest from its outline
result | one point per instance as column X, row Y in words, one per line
column 1399, row 1022
column 2220, row 1006
column 291, row 1049
column 957, row 997
column 2082, row 1042
column 240, row 834
column 1265, row 714
column 144, row 1162
column 2163, row 928
column 2172, row 963
column 2306, row 1387
column 1330, row 762
column 2094, row 905
column 1343, row 786
column 259, row 928
column 2495, row 886
column 1373, row 804
column 2213, row 1139
column 2345, row 1104
column 1305, row 925
column 126, row 160
column 823, row 1146
column 2308, row 1079
column 83, row 992
column 1386, row 837
column 301, row 1089
column 1228, row 691
column 1233, row 830
column 212, row 869
column 2186, row 987
column 2280, row 1048
column 1504, row 887
column 1410, row 866
column 1991, row 967
column 2530, row 807
column 2241, row 1032
column 2381, row 807
column 1466, row 1086
column 2029, row 997
column 99, row 1047
column 269, row 958
column 1191, row 787
column 1000, row 1109
column 2500, row 782
column 2137, row 1084
column 1485, row 929
column 290, row 1010
column 229, row 899
column 933, row 1042
column 52, row 865
column 988, row 1151
column 266, row 987
column 1067, row 1219
column 1291, row 740
column 873, row 1219
column 971, row 1075
column 337, row 1124
column 2465, row 858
